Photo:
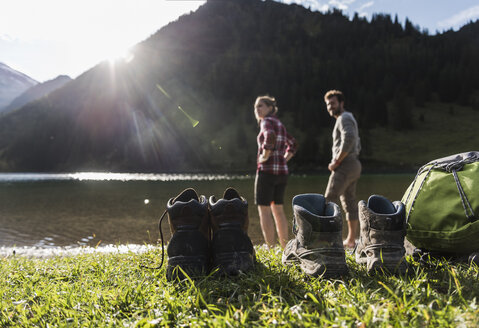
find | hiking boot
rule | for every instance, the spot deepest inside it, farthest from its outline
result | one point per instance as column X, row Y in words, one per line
column 232, row 249
column 189, row 247
column 383, row 228
column 318, row 245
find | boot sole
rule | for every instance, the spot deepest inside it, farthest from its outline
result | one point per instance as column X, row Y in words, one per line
column 389, row 267
column 193, row 266
column 327, row 263
column 232, row 263
column 327, row 272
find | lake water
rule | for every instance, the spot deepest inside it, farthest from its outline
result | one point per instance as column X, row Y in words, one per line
column 45, row 212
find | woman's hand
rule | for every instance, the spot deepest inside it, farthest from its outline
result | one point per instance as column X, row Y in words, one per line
column 264, row 156
column 288, row 156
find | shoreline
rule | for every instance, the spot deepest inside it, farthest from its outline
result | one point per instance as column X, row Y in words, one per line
column 56, row 251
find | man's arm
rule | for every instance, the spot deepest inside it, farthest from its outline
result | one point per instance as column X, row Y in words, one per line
column 346, row 128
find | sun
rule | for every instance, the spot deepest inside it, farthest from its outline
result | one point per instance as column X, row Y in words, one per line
column 124, row 56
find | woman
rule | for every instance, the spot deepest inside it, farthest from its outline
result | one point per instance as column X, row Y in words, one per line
column 275, row 148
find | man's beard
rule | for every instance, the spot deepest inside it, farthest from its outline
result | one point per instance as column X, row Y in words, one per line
column 336, row 111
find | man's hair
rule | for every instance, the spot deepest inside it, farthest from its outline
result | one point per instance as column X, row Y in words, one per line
column 334, row 93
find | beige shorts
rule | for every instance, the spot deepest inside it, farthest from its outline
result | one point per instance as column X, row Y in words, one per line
column 342, row 186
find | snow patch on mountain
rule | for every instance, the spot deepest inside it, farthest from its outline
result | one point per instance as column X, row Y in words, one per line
column 12, row 84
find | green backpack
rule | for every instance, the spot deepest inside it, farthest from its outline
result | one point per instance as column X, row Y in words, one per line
column 442, row 205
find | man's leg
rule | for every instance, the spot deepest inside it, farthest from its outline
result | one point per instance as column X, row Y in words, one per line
column 281, row 223
column 350, row 205
column 335, row 187
column 267, row 224
column 353, row 232
column 338, row 185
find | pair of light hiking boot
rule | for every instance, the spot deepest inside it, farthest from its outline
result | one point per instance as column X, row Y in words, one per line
column 318, row 245
column 208, row 234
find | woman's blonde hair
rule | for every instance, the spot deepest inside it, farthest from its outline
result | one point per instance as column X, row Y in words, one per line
column 269, row 101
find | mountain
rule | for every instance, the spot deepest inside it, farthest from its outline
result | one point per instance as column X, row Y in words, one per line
column 12, row 84
column 36, row 92
column 141, row 114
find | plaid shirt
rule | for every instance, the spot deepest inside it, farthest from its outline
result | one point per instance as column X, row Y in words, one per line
column 273, row 136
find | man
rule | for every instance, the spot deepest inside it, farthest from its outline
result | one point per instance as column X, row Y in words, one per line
column 345, row 166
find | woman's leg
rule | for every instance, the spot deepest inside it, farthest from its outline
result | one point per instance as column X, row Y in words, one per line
column 281, row 223
column 267, row 224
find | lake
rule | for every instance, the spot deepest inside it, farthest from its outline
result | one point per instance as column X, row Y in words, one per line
column 42, row 211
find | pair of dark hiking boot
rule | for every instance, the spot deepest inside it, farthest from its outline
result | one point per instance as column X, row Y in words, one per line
column 208, row 234
column 318, row 246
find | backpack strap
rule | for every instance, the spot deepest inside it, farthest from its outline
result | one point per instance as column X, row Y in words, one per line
column 420, row 171
column 455, row 163
column 465, row 202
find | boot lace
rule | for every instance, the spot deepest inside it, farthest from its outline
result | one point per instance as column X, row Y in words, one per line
column 162, row 245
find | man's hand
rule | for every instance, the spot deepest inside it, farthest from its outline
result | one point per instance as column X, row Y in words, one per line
column 334, row 165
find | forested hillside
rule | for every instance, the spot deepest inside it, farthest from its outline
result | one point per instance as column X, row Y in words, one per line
column 140, row 114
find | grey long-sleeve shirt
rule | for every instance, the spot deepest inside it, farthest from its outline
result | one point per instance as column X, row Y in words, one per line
column 346, row 136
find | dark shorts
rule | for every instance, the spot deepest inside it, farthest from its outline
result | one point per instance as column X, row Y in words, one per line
column 269, row 188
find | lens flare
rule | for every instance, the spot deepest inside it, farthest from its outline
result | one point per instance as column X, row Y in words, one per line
column 193, row 121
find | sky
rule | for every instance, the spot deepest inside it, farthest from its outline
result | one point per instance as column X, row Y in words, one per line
column 47, row 38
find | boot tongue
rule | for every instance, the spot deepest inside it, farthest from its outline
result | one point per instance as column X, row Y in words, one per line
column 230, row 194
column 318, row 223
column 186, row 211
column 320, row 205
column 381, row 205
column 186, row 195
column 314, row 203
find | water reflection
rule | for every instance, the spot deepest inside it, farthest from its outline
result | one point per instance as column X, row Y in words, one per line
column 42, row 252
column 109, row 176
column 48, row 211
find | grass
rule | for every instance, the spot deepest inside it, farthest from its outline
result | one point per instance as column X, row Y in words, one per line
column 444, row 130
column 112, row 290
